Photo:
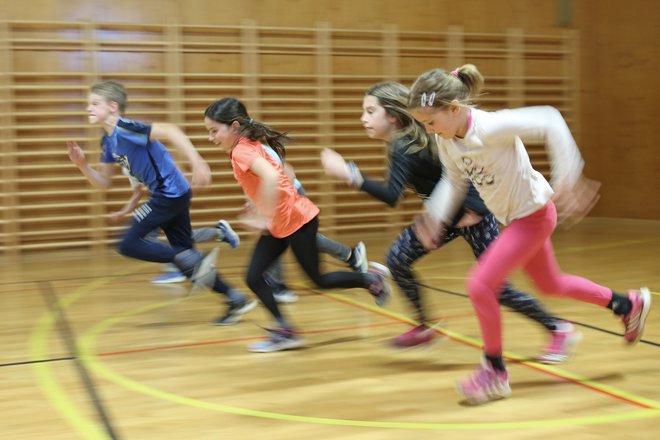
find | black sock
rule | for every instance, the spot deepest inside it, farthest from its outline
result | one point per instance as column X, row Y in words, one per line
column 496, row 362
column 620, row 304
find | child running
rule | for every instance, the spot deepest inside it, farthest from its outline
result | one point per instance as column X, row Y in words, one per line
column 413, row 162
column 286, row 217
column 486, row 148
column 136, row 147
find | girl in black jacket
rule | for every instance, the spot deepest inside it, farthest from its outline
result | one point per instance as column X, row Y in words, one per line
column 414, row 163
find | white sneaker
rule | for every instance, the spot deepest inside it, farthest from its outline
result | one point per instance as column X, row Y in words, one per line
column 285, row 297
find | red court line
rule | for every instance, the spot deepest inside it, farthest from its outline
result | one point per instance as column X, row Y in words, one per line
column 525, row 364
column 395, row 321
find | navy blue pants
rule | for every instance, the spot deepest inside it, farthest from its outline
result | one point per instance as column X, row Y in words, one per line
column 172, row 216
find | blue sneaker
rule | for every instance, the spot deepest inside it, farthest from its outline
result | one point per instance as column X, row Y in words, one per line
column 169, row 278
column 227, row 234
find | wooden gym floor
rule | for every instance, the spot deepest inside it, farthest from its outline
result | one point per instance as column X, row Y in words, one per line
column 148, row 365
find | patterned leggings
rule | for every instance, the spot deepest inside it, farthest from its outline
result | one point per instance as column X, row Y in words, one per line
column 407, row 249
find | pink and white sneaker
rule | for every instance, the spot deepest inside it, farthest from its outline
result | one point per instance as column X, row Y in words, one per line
column 635, row 319
column 420, row 335
column 484, row 385
column 562, row 344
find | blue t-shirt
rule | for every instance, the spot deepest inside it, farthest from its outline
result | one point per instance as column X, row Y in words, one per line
column 146, row 160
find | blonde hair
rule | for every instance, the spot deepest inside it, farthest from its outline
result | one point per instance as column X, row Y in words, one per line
column 112, row 91
column 438, row 88
column 393, row 97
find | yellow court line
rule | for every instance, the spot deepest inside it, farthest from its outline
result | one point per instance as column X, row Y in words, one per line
column 520, row 359
column 88, row 342
column 43, row 371
column 59, row 397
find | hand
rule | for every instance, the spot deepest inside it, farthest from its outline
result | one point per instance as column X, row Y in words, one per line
column 201, row 174
column 253, row 222
column 429, row 232
column 76, row 154
column 470, row 218
column 335, row 165
column 114, row 218
column 573, row 204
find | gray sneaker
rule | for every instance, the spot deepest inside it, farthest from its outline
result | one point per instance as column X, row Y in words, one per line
column 280, row 339
column 380, row 288
column 204, row 274
column 235, row 312
column 358, row 261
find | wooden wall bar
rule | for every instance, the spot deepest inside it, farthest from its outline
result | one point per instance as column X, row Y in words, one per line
column 305, row 81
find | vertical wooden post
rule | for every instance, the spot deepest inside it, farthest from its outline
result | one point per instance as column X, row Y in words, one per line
column 174, row 83
column 571, row 73
column 97, row 199
column 515, row 67
column 391, row 53
column 250, row 67
column 10, row 188
column 325, row 115
column 456, row 51
column 391, row 71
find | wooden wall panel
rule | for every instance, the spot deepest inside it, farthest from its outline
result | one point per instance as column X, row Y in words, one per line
column 620, row 61
column 176, row 58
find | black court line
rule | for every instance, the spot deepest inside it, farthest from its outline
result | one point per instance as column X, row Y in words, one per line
column 67, row 335
column 38, row 361
column 581, row 324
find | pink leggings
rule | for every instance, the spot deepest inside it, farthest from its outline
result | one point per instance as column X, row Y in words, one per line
column 524, row 243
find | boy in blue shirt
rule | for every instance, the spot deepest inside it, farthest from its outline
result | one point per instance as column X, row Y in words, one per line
column 136, row 148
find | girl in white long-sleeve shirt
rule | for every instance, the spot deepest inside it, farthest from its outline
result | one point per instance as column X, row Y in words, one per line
column 487, row 149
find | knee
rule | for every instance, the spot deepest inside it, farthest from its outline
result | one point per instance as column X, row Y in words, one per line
column 253, row 280
column 125, row 247
column 477, row 289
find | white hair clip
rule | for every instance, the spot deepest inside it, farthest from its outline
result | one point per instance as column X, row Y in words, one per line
column 427, row 100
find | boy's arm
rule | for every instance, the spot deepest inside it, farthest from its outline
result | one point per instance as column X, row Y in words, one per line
column 128, row 207
column 201, row 173
column 101, row 178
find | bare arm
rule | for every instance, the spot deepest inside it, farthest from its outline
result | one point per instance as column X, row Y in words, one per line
column 201, row 173
column 129, row 207
column 101, row 178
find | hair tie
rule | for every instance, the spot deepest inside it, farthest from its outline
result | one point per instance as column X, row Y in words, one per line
column 454, row 73
column 250, row 121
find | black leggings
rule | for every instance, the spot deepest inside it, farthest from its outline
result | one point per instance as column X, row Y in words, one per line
column 303, row 244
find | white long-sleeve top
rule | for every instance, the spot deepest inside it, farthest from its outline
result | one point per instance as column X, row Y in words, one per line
column 492, row 155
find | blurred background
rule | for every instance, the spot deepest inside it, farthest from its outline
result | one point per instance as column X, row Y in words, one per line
column 303, row 66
